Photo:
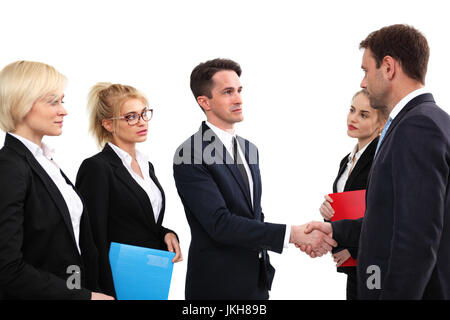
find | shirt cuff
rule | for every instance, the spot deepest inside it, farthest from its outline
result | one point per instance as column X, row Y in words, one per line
column 287, row 236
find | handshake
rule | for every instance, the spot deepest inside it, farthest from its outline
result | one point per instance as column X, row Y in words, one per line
column 314, row 238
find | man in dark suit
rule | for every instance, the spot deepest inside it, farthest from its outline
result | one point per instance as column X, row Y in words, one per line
column 218, row 180
column 404, row 243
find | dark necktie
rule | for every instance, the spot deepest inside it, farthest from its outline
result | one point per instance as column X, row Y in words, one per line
column 240, row 163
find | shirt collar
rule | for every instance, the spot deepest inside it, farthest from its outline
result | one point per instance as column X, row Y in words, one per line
column 36, row 150
column 126, row 157
column 402, row 103
column 358, row 154
column 224, row 136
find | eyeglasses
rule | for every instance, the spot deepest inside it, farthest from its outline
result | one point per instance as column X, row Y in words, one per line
column 133, row 117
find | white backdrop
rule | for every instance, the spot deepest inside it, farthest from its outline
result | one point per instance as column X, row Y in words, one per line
column 301, row 66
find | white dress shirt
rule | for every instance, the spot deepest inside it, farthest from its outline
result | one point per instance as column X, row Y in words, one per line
column 146, row 183
column 227, row 140
column 44, row 156
column 350, row 166
column 402, row 103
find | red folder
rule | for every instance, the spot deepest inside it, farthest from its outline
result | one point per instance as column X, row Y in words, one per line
column 348, row 205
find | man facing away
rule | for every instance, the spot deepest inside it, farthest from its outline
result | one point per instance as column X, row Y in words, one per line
column 218, row 180
column 404, row 237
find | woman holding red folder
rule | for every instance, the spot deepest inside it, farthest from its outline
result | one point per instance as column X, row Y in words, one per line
column 365, row 124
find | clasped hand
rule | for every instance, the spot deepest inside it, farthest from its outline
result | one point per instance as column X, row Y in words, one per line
column 314, row 238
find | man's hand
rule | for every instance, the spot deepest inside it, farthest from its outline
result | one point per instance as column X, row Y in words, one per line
column 316, row 226
column 314, row 241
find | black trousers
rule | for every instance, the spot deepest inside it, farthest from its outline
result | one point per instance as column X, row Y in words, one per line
column 351, row 284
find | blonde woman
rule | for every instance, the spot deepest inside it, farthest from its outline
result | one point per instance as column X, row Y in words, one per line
column 125, row 199
column 365, row 124
column 46, row 246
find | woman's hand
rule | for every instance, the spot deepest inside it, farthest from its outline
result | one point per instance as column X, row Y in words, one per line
column 341, row 257
column 325, row 209
column 173, row 246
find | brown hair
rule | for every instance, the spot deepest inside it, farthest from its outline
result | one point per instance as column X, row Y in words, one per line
column 104, row 102
column 381, row 112
column 405, row 44
column 201, row 76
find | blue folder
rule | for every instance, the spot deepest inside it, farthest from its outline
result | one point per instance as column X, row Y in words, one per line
column 140, row 273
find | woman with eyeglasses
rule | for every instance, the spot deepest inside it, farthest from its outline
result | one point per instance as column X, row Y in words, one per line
column 124, row 198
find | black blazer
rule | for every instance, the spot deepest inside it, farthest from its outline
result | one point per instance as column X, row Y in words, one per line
column 37, row 243
column 356, row 181
column 120, row 209
column 227, row 232
column 406, row 228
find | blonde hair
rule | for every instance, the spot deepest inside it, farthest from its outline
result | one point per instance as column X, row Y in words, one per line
column 21, row 84
column 104, row 102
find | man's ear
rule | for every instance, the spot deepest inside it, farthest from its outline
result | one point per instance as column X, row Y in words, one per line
column 390, row 67
column 203, row 102
column 108, row 125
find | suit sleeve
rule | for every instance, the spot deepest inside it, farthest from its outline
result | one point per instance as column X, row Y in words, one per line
column 346, row 232
column 203, row 199
column 353, row 252
column 420, row 176
column 92, row 183
column 18, row 279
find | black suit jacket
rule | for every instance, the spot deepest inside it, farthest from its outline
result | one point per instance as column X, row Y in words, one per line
column 120, row 209
column 406, row 228
column 227, row 231
column 356, row 181
column 37, row 242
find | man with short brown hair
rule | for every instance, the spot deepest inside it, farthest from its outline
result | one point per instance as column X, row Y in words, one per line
column 404, row 237
column 218, row 179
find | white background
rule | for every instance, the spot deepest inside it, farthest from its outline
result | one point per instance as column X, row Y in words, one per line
column 301, row 66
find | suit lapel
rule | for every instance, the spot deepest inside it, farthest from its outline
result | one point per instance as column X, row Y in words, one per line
column 123, row 175
column 244, row 145
column 155, row 180
column 410, row 105
column 239, row 179
column 51, row 187
column 365, row 160
column 426, row 97
column 219, row 159
column 341, row 171
column 54, row 193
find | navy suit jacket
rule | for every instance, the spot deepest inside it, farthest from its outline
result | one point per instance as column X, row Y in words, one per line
column 227, row 231
column 406, row 228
